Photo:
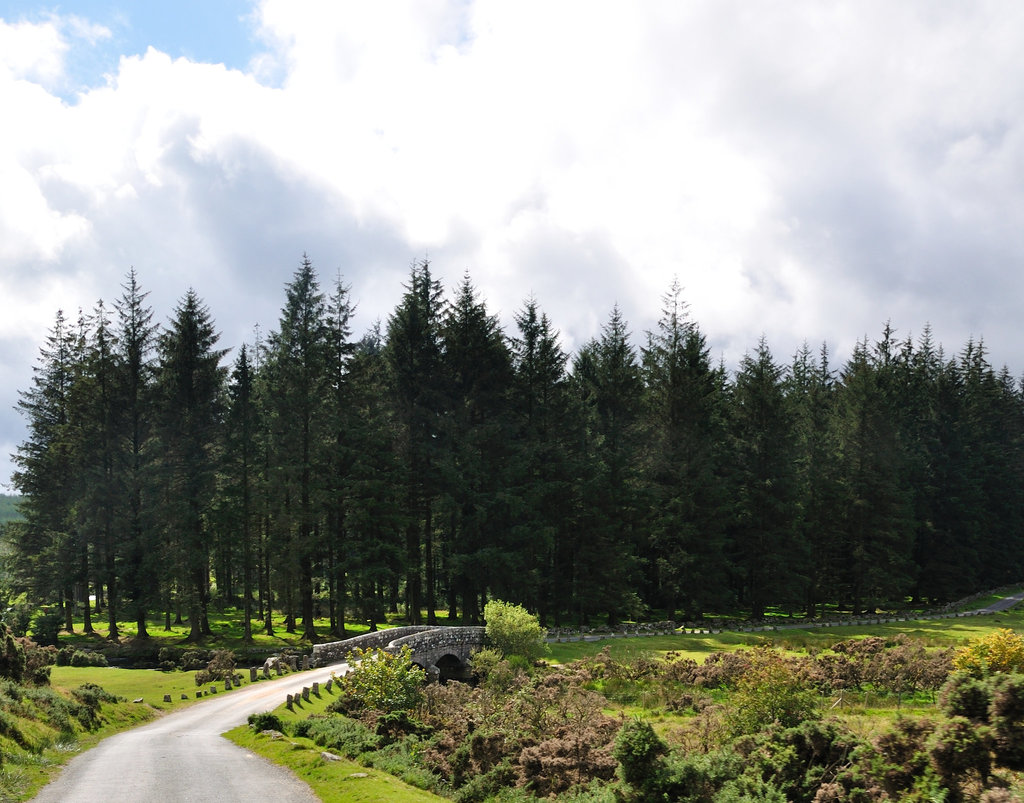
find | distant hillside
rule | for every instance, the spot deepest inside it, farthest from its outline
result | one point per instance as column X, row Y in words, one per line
column 9, row 508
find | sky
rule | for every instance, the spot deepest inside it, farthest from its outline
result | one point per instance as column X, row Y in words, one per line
column 808, row 170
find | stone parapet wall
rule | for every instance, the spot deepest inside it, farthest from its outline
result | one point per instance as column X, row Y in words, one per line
column 428, row 643
column 337, row 651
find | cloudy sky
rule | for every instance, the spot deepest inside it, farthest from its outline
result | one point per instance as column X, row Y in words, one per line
column 807, row 169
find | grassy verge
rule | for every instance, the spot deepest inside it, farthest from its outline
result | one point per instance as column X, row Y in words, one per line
column 333, row 781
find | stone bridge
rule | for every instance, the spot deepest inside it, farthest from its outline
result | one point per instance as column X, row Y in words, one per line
column 446, row 648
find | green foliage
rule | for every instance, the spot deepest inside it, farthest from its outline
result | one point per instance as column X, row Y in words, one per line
column 265, row 721
column 12, row 656
column 220, row 667
column 638, row 751
column 45, row 628
column 1001, row 651
column 769, row 692
column 513, row 630
column 380, row 681
column 347, row 737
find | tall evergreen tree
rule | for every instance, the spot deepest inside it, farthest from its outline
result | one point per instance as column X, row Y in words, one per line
column 684, row 407
column 239, row 466
column 190, row 389
column 413, row 354
column 607, row 378
column 543, row 463
column 297, row 371
column 764, row 530
column 44, row 560
column 478, row 372
column 874, row 509
column 818, row 552
column 136, row 338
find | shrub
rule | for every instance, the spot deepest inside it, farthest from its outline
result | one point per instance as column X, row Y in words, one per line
column 12, row 656
column 46, row 627
column 349, row 737
column 638, row 751
column 1001, row 651
column 220, row 667
column 966, row 696
column 88, row 658
column 265, row 721
column 959, row 750
column 769, row 692
column 380, row 681
column 194, row 658
column 514, row 631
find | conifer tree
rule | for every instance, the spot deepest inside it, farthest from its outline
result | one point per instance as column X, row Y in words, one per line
column 190, row 388
column 764, row 483
column 413, row 354
column 135, row 337
column 297, row 375
column 684, row 431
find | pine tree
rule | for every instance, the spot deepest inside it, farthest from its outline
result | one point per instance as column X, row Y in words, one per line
column 44, row 560
column 240, row 464
column 135, row 338
column 684, row 433
column 542, row 464
column 297, row 372
column 190, row 388
column 607, row 380
column 764, row 481
column 413, row 354
column 478, row 372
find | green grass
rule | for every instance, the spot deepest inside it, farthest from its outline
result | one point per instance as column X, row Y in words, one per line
column 148, row 684
column 935, row 632
column 226, row 625
column 341, row 781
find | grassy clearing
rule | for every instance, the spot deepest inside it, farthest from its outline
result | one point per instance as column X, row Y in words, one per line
column 148, row 684
column 934, row 632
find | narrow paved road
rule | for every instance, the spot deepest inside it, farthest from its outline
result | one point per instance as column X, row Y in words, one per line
column 181, row 757
column 1004, row 604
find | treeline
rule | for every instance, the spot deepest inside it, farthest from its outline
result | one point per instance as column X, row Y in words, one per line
column 438, row 460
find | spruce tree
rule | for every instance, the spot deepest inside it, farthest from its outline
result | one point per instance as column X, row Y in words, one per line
column 190, row 385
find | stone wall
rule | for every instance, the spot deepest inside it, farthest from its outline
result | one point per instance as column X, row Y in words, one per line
column 429, row 647
column 337, row 651
column 428, row 643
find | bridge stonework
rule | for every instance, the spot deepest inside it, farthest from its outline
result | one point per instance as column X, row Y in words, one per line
column 429, row 645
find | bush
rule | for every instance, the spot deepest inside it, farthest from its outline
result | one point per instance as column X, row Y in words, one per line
column 966, row 696
column 769, row 692
column 12, row 656
column 342, row 735
column 88, row 658
column 194, row 658
column 514, row 631
column 380, row 681
column 638, row 751
column 265, row 721
column 220, row 667
column 46, row 627
column 1002, row 651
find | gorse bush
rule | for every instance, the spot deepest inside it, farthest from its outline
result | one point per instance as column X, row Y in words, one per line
column 1002, row 651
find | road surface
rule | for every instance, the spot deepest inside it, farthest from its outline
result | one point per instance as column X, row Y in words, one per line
column 181, row 757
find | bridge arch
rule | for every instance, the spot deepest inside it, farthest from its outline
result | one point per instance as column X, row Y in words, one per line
column 448, row 649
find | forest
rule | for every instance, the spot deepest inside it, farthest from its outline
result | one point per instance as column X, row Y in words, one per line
column 437, row 461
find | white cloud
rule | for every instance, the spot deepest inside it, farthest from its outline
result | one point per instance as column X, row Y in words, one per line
column 808, row 171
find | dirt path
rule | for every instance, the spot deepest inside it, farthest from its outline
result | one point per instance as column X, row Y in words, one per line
column 182, row 756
